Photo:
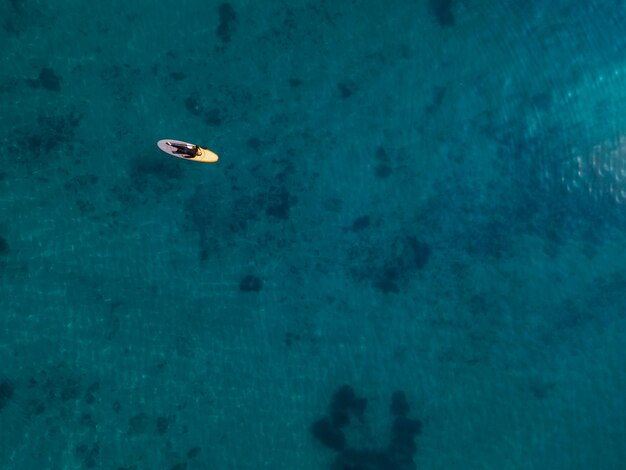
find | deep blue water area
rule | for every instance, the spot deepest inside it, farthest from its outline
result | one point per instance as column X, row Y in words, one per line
column 410, row 255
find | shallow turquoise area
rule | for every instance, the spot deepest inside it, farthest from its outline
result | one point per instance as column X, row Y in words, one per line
column 410, row 255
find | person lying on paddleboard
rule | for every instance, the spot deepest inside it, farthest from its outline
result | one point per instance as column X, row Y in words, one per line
column 185, row 151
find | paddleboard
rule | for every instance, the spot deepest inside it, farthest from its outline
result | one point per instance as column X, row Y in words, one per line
column 202, row 154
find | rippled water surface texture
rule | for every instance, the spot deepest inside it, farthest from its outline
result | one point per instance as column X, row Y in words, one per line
column 410, row 255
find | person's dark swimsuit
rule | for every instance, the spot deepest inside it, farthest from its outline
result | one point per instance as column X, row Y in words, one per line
column 185, row 151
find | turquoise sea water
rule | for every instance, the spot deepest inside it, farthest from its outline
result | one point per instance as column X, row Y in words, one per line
column 410, row 254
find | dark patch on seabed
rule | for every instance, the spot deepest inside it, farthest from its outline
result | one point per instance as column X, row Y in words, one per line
column 4, row 246
column 346, row 415
column 261, row 215
column 6, row 393
column 250, row 283
column 49, row 133
column 441, row 10
column 227, row 22
column 389, row 267
column 47, row 79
